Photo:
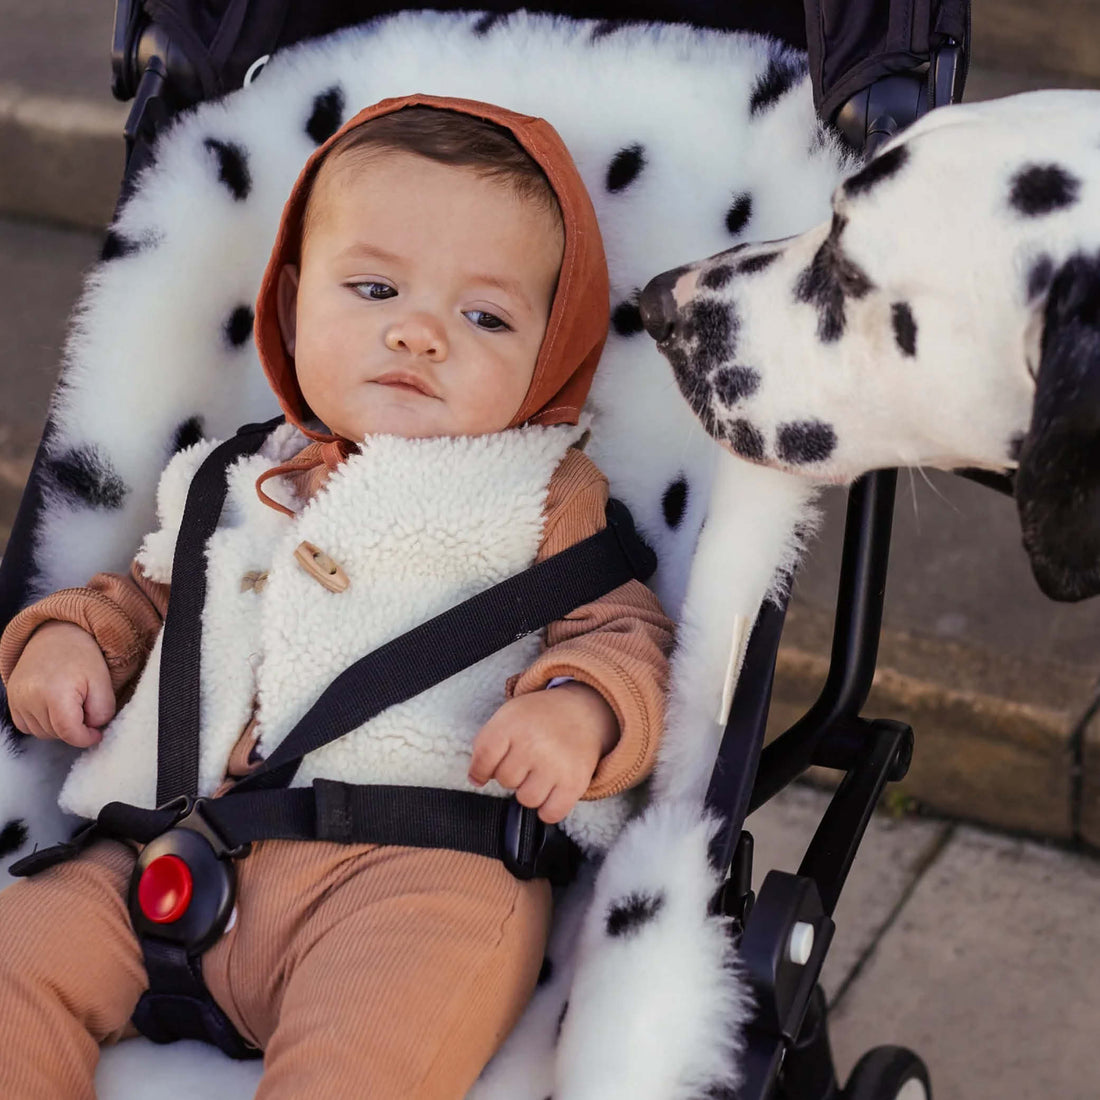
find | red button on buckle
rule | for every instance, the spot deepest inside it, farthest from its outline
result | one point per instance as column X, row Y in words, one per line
column 164, row 891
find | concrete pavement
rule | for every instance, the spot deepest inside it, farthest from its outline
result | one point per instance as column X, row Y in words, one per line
column 976, row 950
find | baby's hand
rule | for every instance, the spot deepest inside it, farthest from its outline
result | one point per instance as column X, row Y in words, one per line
column 61, row 687
column 545, row 746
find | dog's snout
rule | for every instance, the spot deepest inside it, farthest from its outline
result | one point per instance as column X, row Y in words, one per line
column 658, row 306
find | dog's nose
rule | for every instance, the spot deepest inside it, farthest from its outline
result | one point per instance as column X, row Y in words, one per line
column 657, row 305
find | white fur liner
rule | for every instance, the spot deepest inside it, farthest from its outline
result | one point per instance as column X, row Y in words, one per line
column 149, row 350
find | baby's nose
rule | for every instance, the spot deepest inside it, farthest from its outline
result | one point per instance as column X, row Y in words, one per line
column 418, row 336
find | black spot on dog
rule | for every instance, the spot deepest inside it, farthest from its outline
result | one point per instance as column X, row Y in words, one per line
column 733, row 384
column 714, row 326
column 626, row 318
column 717, row 277
column 82, row 473
column 1039, row 277
column 561, row 1019
column 1015, row 445
column 877, row 170
column 805, row 441
column 187, row 434
column 634, row 911
column 700, row 397
column 116, row 246
column 740, row 211
column 13, row 836
column 487, row 22
column 232, row 167
column 745, row 440
column 624, row 167
column 774, row 83
column 546, row 971
column 905, row 327
column 327, row 115
column 830, row 279
column 239, row 326
column 674, row 502
column 1042, row 189
column 752, row 264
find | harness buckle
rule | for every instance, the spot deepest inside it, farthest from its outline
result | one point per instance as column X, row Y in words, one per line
column 524, row 838
column 184, row 883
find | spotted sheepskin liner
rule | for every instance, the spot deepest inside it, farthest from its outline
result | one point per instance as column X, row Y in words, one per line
column 688, row 142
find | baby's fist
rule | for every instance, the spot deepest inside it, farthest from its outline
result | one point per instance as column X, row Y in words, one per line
column 61, row 686
column 545, row 746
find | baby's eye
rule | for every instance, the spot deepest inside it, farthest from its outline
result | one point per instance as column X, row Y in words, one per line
column 488, row 321
column 376, row 292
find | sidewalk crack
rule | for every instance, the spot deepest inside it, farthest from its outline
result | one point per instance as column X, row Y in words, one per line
column 923, row 865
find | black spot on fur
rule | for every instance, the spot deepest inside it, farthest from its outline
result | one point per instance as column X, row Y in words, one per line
column 905, row 327
column 604, row 28
column 774, row 83
column 239, row 326
column 13, row 836
column 830, row 279
column 674, row 502
column 877, row 170
column 717, row 277
column 1039, row 277
column 805, row 441
column 626, row 319
column 733, row 384
column 1015, row 445
column 187, row 434
column 487, row 22
column 327, row 115
column 1042, row 189
column 752, row 264
column 232, row 167
column 635, row 910
column 116, row 246
column 624, row 167
column 740, row 211
column 546, row 971
column 561, row 1019
column 745, row 440
column 82, row 473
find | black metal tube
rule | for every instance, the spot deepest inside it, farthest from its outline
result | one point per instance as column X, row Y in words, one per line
column 860, row 598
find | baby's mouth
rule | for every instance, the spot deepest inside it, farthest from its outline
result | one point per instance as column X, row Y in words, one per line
column 407, row 381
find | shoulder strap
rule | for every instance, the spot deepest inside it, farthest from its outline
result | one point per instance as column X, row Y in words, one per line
column 178, row 707
column 396, row 671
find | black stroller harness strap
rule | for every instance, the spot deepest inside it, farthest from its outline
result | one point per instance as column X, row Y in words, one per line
column 203, row 836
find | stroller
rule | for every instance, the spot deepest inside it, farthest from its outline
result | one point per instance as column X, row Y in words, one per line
column 872, row 72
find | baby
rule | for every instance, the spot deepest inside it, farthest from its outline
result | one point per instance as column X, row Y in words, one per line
column 430, row 319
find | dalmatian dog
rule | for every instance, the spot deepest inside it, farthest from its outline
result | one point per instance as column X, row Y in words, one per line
column 947, row 315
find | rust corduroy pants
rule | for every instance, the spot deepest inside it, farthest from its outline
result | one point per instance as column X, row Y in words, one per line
column 363, row 971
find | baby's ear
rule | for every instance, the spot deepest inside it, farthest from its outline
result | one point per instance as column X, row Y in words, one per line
column 286, row 301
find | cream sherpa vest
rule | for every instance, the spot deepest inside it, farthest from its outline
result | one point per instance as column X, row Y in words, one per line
column 417, row 525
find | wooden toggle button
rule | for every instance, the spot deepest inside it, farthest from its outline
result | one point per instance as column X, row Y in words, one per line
column 321, row 567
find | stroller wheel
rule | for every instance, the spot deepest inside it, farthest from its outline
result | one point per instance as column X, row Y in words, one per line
column 888, row 1073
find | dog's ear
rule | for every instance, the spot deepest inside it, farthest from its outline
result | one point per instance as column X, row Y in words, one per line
column 1058, row 481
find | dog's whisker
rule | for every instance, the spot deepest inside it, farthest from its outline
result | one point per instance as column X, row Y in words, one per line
column 947, row 500
column 913, row 497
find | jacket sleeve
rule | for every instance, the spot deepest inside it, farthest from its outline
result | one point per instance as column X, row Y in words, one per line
column 618, row 644
column 122, row 612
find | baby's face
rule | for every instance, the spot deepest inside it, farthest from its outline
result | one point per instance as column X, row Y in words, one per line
column 422, row 298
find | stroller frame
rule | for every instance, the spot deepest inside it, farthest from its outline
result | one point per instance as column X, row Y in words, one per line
column 784, row 933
